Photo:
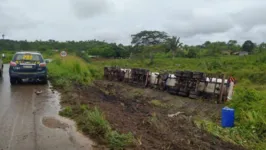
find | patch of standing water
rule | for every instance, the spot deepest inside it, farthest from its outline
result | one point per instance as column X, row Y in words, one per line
column 53, row 121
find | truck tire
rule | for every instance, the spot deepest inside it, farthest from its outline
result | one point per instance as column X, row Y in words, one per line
column 178, row 73
column 188, row 74
column 193, row 95
column 198, row 75
column 183, row 92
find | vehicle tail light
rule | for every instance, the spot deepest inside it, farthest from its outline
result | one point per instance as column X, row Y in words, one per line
column 42, row 64
column 13, row 64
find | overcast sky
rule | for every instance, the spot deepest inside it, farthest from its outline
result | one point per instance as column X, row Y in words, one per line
column 195, row 21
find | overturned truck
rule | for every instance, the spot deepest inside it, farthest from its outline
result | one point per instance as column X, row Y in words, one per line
column 195, row 85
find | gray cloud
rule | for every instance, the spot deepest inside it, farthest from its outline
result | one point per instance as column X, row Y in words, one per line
column 90, row 8
column 114, row 20
column 199, row 25
column 12, row 19
column 250, row 17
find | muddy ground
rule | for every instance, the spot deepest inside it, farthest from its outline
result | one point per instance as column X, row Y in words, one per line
column 148, row 114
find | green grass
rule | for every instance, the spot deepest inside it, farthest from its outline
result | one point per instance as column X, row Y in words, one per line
column 92, row 121
column 8, row 54
column 250, row 120
column 72, row 69
column 249, row 100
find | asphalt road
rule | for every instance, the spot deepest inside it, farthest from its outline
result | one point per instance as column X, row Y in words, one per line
column 29, row 121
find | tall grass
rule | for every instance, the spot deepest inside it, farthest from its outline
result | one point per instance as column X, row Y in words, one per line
column 250, row 123
column 64, row 71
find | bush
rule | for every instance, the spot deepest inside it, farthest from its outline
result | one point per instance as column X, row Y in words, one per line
column 244, row 100
column 119, row 141
column 95, row 124
column 66, row 112
column 72, row 69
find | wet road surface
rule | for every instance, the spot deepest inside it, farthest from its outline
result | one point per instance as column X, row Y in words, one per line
column 30, row 122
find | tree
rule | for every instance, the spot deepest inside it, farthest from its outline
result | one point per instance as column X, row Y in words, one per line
column 248, row 46
column 232, row 45
column 147, row 38
column 206, row 44
column 3, row 36
column 231, row 42
column 192, row 53
column 174, row 45
column 262, row 47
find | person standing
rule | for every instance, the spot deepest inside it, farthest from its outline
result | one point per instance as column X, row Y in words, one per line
column 230, row 85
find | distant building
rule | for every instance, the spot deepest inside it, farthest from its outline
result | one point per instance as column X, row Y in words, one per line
column 227, row 52
column 241, row 53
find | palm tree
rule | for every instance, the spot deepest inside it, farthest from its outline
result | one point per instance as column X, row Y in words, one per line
column 174, row 45
column 3, row 36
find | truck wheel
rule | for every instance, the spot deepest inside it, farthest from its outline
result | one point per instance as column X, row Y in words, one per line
column 193, row 95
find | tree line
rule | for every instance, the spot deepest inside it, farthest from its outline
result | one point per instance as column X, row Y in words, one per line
column 147, row 43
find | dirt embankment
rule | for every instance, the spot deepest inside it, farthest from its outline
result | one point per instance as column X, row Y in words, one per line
column 145, row 113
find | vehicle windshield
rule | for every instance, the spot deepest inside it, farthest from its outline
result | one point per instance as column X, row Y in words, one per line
column 19, row 58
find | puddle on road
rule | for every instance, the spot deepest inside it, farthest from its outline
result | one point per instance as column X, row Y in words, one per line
column 51, row 122
column 77, row 138
column 51, row 119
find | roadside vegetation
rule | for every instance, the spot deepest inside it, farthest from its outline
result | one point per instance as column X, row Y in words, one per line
column 67, row 72
column 250, row 123
column 163, row 53
column 248, row 102
column 8, row 56
column 92, row 121
column 64, row 72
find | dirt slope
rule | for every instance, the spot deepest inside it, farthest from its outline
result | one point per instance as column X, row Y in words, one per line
column 145, row 113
